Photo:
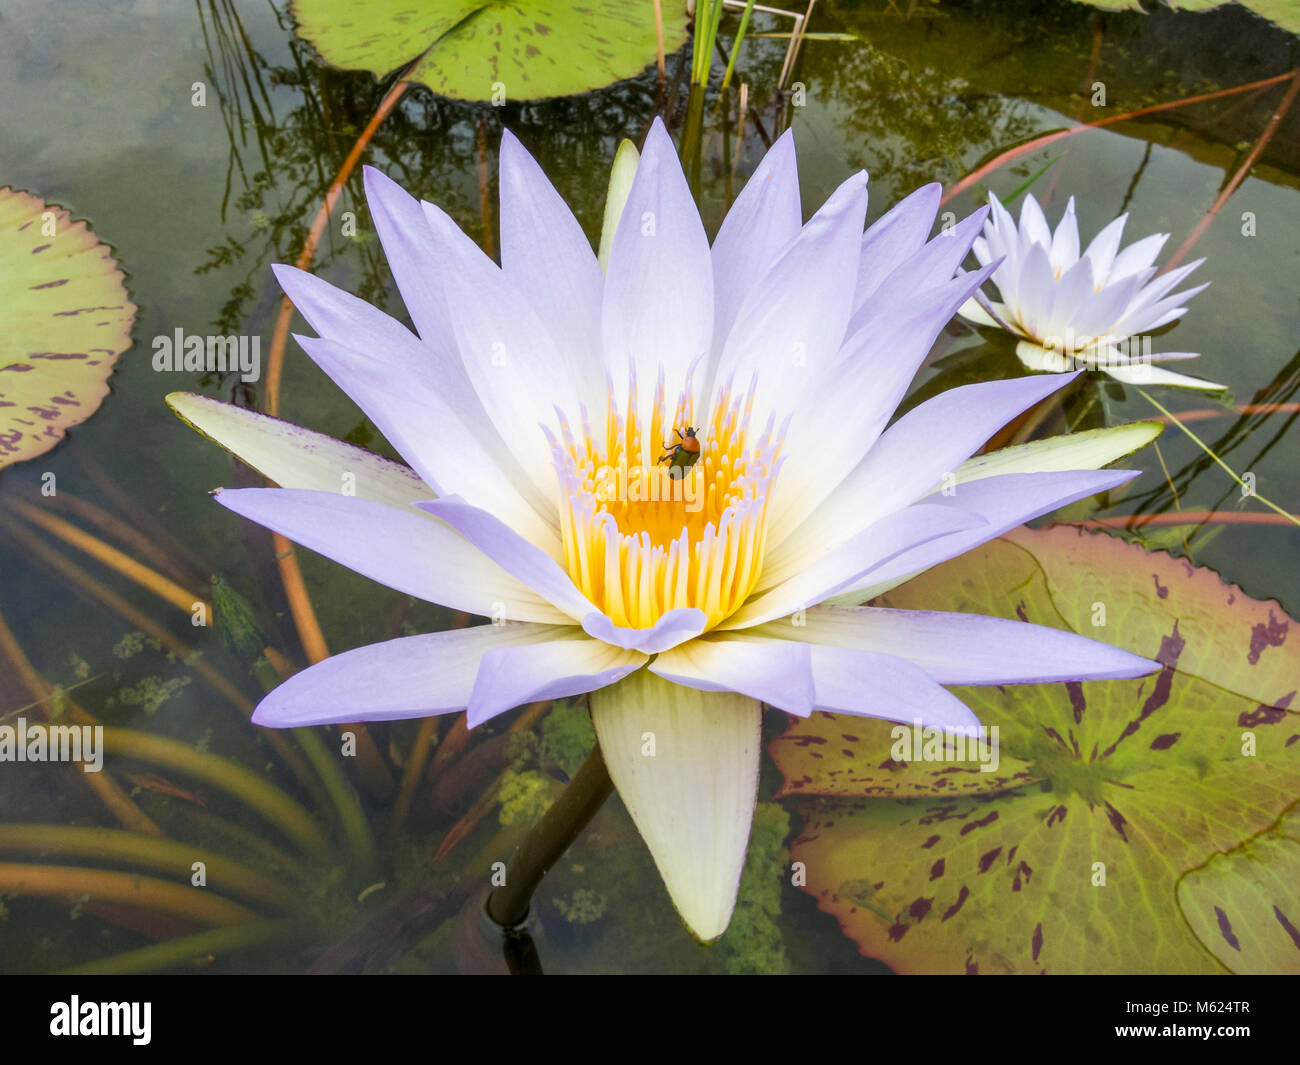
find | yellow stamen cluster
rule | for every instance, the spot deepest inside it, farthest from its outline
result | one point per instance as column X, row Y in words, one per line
column 641, row 540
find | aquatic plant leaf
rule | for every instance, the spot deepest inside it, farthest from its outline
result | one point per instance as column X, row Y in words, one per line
column 1068, row 857
column 484, row 50
column 66, row 320
column 1242, row 905
column 1284, row 13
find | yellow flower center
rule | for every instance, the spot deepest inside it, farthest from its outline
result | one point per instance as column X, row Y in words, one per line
column 642, row 537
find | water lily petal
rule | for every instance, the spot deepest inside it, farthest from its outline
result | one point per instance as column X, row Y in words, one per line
column 514, row 554
column 298, row 458
column 547, row 255
column 658, row 303
column 1089, row 450
column 413, row 256
column 835, row 570
column 1033, row 223
column 894, row 237
column 621, row 176
column 1103, row 247
column 956, row 648
column 675, row 626
column 455, row 460
column 557, row 669
column 869, row 684
column 1146, row 374
column 1137, row 257
column 1003, row 502
column 764, row 219
column 1044, row 360
column 413, row 676
column 777, row 673
column 1065, row 241
column 692, row 796
column 395, row 547
column 930, row 441
column 932, row 265
column 788, row 330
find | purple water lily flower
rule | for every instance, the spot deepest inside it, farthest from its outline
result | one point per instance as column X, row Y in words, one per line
column 543, row 406
column 1072, row 309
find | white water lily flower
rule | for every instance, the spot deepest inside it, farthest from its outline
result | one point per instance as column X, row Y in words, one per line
column 1093, row 309
column 534, row 403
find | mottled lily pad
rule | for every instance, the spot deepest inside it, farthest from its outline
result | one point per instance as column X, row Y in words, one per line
column 1242, row 905
column 66, row 320
column 1284, row 13
column 490, row 50
column 1121, row 814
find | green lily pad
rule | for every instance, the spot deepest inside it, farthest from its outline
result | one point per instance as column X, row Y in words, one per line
column 1121, row 813
column 1242, row 905
column 489, row 49
column 67, row 319
column 1284, row 13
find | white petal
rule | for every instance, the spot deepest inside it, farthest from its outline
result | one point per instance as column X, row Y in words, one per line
column 1042, row 359
column 1101, row 251
column 1065, row 241
column 1137, row 257
column 693, row 798
column 1146, row 374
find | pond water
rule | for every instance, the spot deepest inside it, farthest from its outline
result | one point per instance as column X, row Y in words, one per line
column 97, row 115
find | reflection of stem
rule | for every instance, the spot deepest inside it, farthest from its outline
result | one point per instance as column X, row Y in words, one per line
column 344, row 798
column 1223, row 465
column 1235, row 182
column 103, row 784
column 550, row 838
column 1173, row 488
column 102, row 885
column 166, row 589
column 1050, row 138
column 125, row 533
column 147, row 852
column 181, row 951
column 83, row 583
column 273, row 804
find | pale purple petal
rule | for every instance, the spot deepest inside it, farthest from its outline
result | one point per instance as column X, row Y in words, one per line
column 894, row 237
column 957, row 648
column 512, row 676
column 791, row 323
column 547, row 255
column 414, row 676
column 771, row 671
column 764, row 219
column 521, row 559
column 868, row 684
column 394, row 546
column 672, row 628
column 658, row 303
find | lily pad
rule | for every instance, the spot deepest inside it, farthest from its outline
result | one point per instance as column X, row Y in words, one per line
column 488, row 49
column 67, row 319
column 1242, row 905
column 1120, row 812
column 1284, row 13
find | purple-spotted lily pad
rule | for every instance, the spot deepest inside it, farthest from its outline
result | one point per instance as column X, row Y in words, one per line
column 1122, row 817
column 488, row 50
column 66, row 320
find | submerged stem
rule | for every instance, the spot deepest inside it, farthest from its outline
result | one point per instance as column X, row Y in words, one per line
column 549, row 839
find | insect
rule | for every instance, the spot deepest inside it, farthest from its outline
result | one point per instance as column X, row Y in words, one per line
column 682, row 455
